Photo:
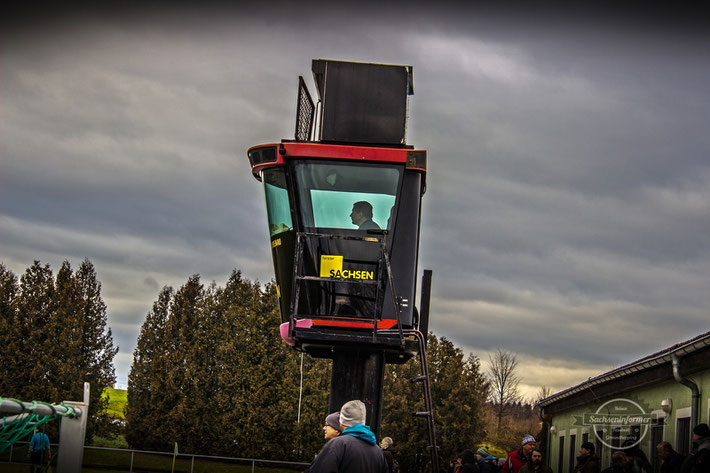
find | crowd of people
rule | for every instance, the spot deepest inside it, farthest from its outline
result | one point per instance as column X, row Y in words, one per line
column 351, row 447
column 629, row 458
column 526, row 459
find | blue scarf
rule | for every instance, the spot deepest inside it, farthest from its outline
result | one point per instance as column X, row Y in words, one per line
column 361, row 431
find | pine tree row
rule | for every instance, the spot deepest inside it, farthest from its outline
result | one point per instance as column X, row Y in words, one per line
column 459, row 392
column 53, row 338
column 211, row 373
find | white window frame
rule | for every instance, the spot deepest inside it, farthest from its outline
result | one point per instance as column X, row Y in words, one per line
column 561, row 435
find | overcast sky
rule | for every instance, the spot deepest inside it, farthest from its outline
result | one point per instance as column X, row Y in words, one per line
column 567, row 214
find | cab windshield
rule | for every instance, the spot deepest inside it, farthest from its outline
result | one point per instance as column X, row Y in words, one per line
column 347, row 196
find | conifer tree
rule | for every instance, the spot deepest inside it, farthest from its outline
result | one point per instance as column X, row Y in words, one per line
column 229, row 385
column 58, row 338
column 459, row 391
column 279, row 377
column 307, row 435
column 30, row 361
column 147, row 376
column 203, row 410
column 96, row 352
column 243, row 361
column 263, row 376
column 66, row 328
column 9, row 329
column 401, row 399
column 183, row 349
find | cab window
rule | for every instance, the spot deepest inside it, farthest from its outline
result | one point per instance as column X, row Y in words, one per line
column 347, row 196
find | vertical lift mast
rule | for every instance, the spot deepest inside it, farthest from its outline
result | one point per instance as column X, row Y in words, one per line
column 346, row 288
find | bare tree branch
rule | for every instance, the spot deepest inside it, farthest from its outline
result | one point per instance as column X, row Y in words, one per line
column 542, row 393
column 504, row 382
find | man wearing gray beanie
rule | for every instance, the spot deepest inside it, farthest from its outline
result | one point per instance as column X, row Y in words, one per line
column 355, row 450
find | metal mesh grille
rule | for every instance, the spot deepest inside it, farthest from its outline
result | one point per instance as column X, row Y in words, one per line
column 304, row 112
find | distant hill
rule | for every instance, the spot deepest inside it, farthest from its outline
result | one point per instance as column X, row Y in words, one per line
column 117, row 399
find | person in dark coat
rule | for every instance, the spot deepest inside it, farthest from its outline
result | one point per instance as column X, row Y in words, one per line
column 468, row 462
column 638, row 461
column 387, row 446
column 619, row 463
column 672, row 460
column 699, row 459
column 587, row 461
column 535, row 464
column 355, row 450
column 362, row 216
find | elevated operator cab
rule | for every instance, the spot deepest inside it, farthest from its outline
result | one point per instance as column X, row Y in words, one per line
column 344, row 212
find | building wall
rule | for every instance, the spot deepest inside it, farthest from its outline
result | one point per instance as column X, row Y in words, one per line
column 649, row 398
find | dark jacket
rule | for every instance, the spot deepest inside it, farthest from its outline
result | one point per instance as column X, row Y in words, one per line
column 468, row 462
column 530, row 468
column 699, row 459
column 616, row 469
column 638, row 461
column 368, row 224
column 488, row 465
column 353, row 451
column 673, row 463
column 389, row 457
column 587, row 464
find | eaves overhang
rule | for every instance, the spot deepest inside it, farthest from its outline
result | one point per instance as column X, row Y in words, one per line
column 648, row 370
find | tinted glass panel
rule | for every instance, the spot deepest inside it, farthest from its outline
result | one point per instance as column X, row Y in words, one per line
column 277, row 205
column 347, row 196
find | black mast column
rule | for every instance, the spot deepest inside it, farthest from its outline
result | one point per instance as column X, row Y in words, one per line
column 359, row 375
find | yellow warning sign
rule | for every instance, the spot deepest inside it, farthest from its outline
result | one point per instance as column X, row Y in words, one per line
column 330, row 264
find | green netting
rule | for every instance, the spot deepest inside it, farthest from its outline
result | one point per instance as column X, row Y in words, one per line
column 19, row 427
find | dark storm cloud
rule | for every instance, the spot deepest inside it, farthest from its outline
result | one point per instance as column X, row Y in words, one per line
column 568, row 200
column 578, row 197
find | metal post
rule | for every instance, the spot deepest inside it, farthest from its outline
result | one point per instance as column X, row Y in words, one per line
column 130, row 469
column 359, row 375
column 72, row 433
column 425, row 303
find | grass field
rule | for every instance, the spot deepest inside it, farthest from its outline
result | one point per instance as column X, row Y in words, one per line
column 112, row 461
column 117, row 399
